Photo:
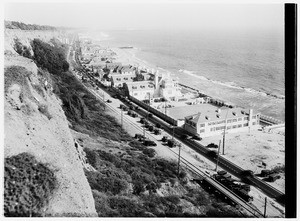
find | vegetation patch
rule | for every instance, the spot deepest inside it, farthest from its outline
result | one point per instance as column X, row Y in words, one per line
column 21, row 49
column 28, row 186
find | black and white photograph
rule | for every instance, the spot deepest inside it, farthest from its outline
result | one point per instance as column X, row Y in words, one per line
column 148, row 109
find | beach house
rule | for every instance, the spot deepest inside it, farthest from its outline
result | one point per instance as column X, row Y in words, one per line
column 209, row 123
column 141, row 90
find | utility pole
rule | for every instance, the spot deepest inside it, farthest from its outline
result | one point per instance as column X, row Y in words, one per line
column 265, row 211
column 225, row 132
column 218, row 155
column 178, row 160
column 104, row 100
column 165, row 107
column 173, row 133
column 121, row 117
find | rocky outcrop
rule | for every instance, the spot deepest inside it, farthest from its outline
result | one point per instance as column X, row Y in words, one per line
column 35, row 123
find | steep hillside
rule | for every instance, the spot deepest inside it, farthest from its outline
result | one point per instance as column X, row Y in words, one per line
column 36, row 124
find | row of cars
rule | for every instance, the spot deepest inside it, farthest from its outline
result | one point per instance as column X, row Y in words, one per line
column 235, row 186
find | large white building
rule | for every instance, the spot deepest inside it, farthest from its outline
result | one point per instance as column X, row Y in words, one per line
column 141, row 90
column 211, row 123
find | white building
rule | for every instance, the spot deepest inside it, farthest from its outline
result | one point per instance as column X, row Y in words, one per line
column 141, row 90
column 166, row 87
column 211, row 123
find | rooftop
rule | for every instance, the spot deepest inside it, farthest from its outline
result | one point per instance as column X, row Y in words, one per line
column 218, row 114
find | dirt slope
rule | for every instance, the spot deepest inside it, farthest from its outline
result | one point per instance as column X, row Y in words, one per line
column 35, row 123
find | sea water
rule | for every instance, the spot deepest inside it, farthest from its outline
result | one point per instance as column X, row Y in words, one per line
column 242, row 67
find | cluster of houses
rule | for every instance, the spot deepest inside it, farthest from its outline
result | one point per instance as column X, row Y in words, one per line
column 149, row 85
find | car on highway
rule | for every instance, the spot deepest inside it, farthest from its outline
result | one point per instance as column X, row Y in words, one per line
column 151, row 128
column 149, row 143
column 108, row 101
column 158, row 125
column 134, row 115
column 142, row 120
column 157, row 131
column 165, row 139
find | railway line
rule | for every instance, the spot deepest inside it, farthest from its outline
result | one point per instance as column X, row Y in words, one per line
column 234, row 169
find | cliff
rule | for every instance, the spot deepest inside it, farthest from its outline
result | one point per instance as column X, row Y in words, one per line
column 36, row 124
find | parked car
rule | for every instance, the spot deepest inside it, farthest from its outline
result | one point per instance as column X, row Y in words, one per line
column 212, row 145
column 125, row 108
column 137, row 136
column 142, row 120
column 164, row 139
column 171, row 143
column 158, row 125
column 151, row 128
column 273, row 177
column 265, row 173
column 134, row 115
column 131, row 107
column 147, row 124
column 129, row 112
column 150, row 115
column 108, row 101
column 149, row 143
column 121, row 106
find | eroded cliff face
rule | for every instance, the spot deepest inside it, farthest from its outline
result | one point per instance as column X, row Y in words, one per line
column 35, row 123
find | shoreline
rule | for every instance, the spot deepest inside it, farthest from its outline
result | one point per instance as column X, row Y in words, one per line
column 258, row 100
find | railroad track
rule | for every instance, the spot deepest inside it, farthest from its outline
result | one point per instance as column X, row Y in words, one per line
column 219, row 187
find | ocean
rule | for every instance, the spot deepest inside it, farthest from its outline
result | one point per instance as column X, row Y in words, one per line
column 245, row 68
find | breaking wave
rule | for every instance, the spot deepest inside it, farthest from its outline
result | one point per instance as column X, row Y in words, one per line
column 232, row 85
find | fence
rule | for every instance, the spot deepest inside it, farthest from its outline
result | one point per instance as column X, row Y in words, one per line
column 161, row 115
column 270, row 120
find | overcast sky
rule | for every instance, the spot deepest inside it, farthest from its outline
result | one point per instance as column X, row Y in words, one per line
column 149, row 15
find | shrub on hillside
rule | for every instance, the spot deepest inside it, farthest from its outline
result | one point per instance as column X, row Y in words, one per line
column 49, row 57
column 105, row 184
column 21, row 49
column 126, row 206
column 28, row 185
column 149, row 152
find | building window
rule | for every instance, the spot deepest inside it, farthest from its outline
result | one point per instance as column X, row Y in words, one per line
column 229, row 121
column 118, row 79
column 135, row 94
column 234, row 120
column 125, row 78
column 202, row 125
column 212, row 129
column 202, row 131
column 254, row 117
column 234, row 126
column 246, row 118
column 229, row 127
column 239, row 125
column 246, row 125
column 253, row 123
column 240, row 119
column 133, row 87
